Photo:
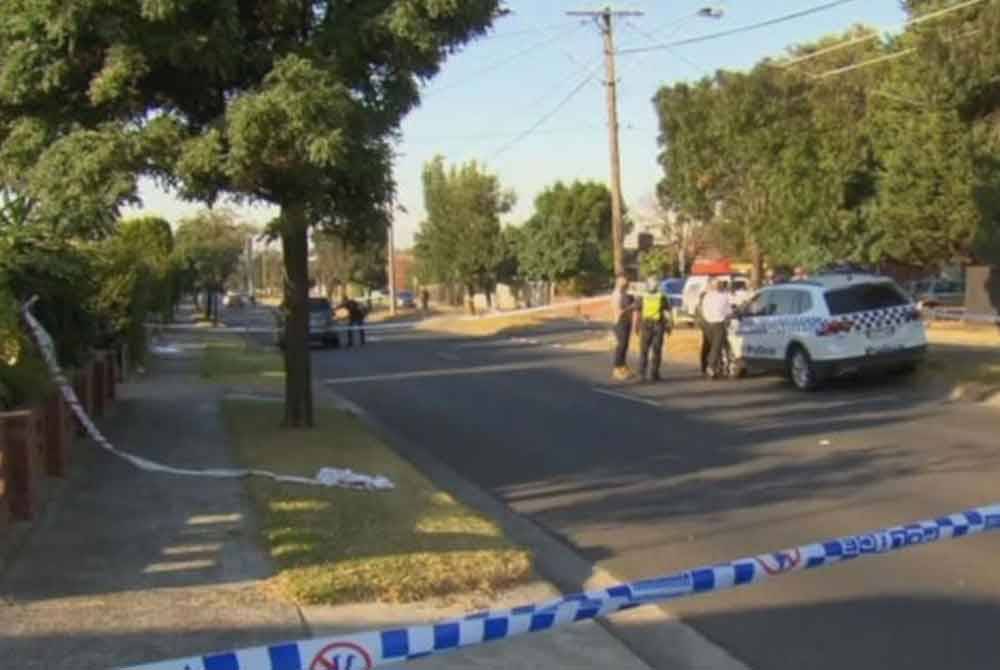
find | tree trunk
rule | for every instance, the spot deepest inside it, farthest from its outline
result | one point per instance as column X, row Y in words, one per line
column 298, row 373
column 757, row 263
column 470, row 299
column 208, row 305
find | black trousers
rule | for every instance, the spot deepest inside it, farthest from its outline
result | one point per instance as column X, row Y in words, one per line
column 360, row 327
column 623, row 331
column 651, row 337
column 705, row 346
column 715, row 337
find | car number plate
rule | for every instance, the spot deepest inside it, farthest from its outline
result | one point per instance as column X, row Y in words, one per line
column 881, row 333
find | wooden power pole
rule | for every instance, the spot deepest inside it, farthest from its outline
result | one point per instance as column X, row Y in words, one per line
column 605, row 19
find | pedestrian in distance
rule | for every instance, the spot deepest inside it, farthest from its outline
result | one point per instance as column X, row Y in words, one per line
column 655, row 325
column 356, row 314
column 699, row 319
column 622, row 310
column 716, row 308
column 425, row 300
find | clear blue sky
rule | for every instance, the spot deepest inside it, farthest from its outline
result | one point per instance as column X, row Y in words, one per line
column 500, row 86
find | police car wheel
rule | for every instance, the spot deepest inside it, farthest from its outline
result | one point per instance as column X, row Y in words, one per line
column 800, row 369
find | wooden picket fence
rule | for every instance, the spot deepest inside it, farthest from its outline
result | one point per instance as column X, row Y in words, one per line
column 36, row 442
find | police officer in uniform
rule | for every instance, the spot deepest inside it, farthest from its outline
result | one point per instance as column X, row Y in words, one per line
column 655, row 325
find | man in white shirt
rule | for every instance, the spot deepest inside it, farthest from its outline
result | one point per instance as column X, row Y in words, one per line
column 715, row 309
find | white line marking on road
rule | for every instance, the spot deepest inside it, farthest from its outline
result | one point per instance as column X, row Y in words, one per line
column 625, row 396
column 451, row 372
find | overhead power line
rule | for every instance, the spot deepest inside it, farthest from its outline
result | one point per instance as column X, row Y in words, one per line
column 501, row 62
column 871, row 61
column 740, row 29
column 545, row 117
column 650, row 37
column 528, row 31
column 867, row 38
column 880, row 59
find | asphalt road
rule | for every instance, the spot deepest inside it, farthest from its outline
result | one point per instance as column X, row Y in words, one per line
column 650, row 479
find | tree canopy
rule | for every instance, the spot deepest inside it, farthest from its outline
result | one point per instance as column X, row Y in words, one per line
column 460, row 242
column 208, row 248
column 569, row 234
column 292, row 102
column 809, row 159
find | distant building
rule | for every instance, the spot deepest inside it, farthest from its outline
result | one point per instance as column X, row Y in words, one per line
column 404, row 266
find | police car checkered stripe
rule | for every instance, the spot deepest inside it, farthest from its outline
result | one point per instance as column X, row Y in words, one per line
column 881, row 318
column 378, row 648
column 860, row 321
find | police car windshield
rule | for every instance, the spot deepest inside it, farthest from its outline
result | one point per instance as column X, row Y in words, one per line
column 864, row 298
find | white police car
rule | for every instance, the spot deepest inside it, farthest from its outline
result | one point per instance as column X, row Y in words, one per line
column 827, row 326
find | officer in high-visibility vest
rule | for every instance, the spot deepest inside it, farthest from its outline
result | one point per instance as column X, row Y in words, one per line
column 656, row 324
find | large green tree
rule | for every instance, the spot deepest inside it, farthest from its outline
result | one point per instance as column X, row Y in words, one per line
column 460, row 242
column 208, row 247
column 569, row 235
column 291, row 102
column 809, row 159
column 338, row 262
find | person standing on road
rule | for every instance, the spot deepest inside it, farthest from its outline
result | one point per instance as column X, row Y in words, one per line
column 654, row 327
column 356, row 314
column 716, row 308
column 425, row 300
column 622, row 309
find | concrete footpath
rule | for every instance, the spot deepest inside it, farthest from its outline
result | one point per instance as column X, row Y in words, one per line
column 126, row 567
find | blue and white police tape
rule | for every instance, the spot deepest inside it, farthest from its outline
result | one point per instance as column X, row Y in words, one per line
column 331, row 477
column 364, row 651
column 960, row 314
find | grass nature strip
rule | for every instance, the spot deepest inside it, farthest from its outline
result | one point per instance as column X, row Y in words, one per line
column 335, row 546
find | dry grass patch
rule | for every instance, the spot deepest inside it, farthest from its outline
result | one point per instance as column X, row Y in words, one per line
column 334, row 546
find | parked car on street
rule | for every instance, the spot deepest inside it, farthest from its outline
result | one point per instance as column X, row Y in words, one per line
column 828, row 326
column 932, row 293
column 406, row 299
column 322, row 324
column 234, row 299
column 673, row 288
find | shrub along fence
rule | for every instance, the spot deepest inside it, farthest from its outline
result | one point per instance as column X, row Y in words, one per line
column 36, row 441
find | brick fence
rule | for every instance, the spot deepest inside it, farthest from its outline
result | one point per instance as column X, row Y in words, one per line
column 35, row 442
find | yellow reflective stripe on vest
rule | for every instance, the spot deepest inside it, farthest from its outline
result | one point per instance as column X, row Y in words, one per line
column 652, row 306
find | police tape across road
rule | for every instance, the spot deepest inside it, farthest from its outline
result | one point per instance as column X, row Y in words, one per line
column 960, row 314
column 364, row 651
column 332, row 477
column 382, row 327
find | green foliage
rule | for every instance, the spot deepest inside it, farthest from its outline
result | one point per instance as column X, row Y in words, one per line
column 340, row 262
column 461, row 242
column 569, row 235
column 893, row 162
column 37, row 263
column 208, row 246
column 658, row 263
column 136, row 278
column 289, row 102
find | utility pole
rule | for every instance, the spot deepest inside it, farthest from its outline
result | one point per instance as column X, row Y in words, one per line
column 396, row 207
column 392, row 269
column 605, row 19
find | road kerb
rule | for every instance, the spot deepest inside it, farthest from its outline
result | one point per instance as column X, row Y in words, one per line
column 673, row 645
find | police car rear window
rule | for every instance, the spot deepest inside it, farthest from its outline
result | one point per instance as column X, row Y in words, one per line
column 864, row 298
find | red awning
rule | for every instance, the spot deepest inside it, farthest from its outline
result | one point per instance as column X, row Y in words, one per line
column 721, row 266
